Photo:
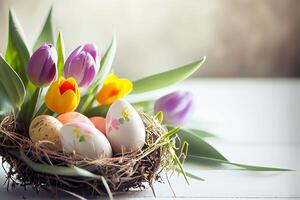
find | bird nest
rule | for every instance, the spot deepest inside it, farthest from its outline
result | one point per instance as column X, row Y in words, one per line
column 37, row 166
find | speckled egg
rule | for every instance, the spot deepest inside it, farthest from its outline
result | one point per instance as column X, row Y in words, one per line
column 99, row 123
column 73, row 117
column 125, row 129
column 85, row 140
column 46, row 128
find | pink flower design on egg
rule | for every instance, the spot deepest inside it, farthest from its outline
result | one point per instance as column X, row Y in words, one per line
column 115, row 124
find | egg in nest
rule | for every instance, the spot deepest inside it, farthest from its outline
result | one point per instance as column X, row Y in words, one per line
column 46, row 128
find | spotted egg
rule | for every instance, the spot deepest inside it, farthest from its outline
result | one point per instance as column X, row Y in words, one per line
column 46, row 128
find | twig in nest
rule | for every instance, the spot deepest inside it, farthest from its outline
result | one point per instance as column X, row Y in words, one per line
column 118, row 174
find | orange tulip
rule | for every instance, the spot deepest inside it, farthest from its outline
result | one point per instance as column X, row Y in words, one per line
column 63, row 95
column 113, row 88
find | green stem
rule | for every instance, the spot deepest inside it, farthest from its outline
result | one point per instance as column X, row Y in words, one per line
column 43, row 110
column 97, row 111
column 88, row 102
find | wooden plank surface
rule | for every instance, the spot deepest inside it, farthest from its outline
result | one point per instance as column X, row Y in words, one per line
column 257, row 122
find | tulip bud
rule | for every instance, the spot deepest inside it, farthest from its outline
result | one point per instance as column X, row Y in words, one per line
column 113, row 88
column 63, row 95
column 82, row 64
column 175, row 106
column 41, row 68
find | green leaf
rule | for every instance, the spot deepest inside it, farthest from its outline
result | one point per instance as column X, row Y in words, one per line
column 28, row 108
column 43, row 110
column 83, row 98
column 105, row 67
column 159, row 116
column 60, row 53
column 97, row 111
column 121, row 120
column 106, row 186
column 12, row 89
column 46, row 35
column 5, row 106
column 201, row 133
column 81, row 138
column 246, row 167
column 167, row 136
column 105, row 64
column 183, row 150
column 166, row 78
column 180, row 168
column 86, row 102
column 199, row 147
column 64, row 171
column 58, row 170
column 144, row 106
column 171, row 132
column 190, row 175
column 17, row 53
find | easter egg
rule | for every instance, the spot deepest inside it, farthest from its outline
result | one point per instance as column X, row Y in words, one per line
column 73, row 117
column 99, row 123
column 85, row 140
column 125, row 129
column 46, row 128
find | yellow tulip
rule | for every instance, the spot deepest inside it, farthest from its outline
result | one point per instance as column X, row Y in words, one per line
column 113, row 88
column 63, row 95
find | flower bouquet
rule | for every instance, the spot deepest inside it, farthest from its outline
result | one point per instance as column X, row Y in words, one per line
column 65, row 123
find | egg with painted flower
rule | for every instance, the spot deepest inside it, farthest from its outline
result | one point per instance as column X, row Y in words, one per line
column 125, row 129
column 85, row 140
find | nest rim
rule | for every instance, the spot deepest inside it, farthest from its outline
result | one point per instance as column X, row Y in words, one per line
column 121, row 173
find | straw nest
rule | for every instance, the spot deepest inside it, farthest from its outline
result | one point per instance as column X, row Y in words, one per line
column 26, row 163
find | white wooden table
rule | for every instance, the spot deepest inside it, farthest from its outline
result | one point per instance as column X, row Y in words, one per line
column 257, row 122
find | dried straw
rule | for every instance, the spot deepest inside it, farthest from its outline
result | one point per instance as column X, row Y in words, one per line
column 121, row 173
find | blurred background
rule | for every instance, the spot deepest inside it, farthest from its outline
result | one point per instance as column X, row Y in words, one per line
column 241, row 38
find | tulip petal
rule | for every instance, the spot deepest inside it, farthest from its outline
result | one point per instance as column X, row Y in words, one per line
column 90, row 71
column 71, row 57
column 126, row 87
column 48, row 74
column 68, row 102
column 176, row 106
column 41, row 68
column 82, row 64
column 114, row 88
column 104, row 96
column 65, row 101
column 51, row 94
column 75, row 68
column 92, row 50
column 65, row 87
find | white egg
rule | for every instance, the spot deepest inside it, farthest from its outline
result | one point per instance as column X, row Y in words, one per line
column 125, row 129
column 85, row 140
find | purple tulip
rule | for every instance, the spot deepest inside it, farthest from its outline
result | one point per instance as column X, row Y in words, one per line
column 82, row 64
column 175, row 106
column 41, row 68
